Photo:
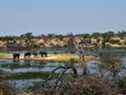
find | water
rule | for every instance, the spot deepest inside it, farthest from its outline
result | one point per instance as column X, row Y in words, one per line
column 48, row 67
column 92, row 68
column 25, row 83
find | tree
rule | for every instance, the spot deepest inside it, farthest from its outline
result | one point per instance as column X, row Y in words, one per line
column 28, row 39
column 50, row 35
column 96, row 35
column 121, row 34
column 86, row 35
column 27, row 35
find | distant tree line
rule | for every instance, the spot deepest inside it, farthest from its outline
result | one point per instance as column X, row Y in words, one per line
column 105, row 35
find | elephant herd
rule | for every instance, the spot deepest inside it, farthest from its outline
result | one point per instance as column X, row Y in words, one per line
column 16, row 56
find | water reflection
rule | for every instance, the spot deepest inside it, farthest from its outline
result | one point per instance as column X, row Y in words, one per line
column 23, row 84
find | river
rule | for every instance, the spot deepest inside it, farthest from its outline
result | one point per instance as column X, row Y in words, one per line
column 92, row 68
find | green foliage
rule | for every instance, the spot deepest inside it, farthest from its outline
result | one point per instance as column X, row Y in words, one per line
column 28, row 75
column 27, row 35
column 86, row 36
column 122, row 83
column 3, row 54
column 96, row 35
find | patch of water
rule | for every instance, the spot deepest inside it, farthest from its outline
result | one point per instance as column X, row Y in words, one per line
column 22, row 84
column 92, row 68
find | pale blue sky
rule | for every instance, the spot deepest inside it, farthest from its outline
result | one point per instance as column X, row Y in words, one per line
column 61, row 16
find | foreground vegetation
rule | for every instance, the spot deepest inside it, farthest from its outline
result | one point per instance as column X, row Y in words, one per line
column 28, row 75
column 86, row 85
column 96, row 84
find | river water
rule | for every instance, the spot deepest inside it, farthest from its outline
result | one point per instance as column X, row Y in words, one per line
column 92, row 68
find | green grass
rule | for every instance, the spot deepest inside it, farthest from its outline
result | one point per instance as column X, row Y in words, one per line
column 2, row 54
column 28, row 75
column 32, row 75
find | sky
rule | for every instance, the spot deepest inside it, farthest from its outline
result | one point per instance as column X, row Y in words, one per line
column 61, row 16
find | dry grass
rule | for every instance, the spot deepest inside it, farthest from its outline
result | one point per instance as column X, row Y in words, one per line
column 53, row 57
column 88, row 85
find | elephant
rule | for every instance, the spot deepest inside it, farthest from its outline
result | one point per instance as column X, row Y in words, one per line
column 16, row 56
column 43, row 54
column 27, row 54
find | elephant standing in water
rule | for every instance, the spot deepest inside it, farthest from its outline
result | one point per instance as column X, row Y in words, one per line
column 16, row 57
column 27, row 55
column 43, row 54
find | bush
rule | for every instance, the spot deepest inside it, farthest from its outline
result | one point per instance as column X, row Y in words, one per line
column 87, row 85
column 122, row 86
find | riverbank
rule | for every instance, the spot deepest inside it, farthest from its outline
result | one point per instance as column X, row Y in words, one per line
column 50, row 57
